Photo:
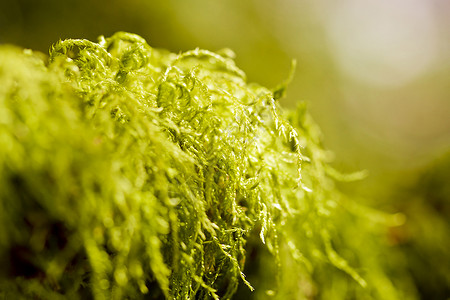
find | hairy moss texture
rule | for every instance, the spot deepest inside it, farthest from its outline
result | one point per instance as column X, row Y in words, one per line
column 128, row 172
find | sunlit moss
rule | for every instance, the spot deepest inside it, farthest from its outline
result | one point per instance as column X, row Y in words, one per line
column 129, row 172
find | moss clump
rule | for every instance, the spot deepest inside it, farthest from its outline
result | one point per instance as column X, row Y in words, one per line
column 129, row 172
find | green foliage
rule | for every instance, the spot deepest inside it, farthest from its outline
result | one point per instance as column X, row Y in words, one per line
column 425, row 239
column 129, row 172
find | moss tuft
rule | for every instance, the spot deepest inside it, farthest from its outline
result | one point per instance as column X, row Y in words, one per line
column 129, row 172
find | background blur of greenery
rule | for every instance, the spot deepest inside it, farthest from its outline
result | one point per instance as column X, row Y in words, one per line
column 375, row 75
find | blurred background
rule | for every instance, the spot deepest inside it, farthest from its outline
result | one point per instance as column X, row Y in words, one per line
column 375, row 75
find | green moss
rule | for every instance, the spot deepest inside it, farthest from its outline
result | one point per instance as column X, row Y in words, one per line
column 129, row 172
